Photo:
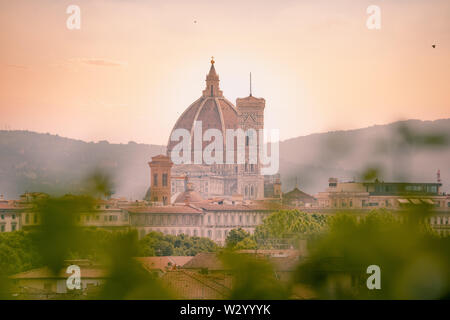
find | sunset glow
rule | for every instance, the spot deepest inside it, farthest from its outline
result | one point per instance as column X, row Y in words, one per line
column 135, row 66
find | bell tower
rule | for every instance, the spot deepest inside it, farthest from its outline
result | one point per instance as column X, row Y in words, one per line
column 251, row 116
column 160, row 187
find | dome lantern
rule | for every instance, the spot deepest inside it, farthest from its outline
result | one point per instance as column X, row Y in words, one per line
column 212, row 83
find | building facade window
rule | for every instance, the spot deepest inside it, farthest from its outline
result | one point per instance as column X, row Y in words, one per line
column 164, row 179
column 155, row 179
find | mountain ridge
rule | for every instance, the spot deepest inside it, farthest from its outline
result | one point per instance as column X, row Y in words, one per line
column 32, row 161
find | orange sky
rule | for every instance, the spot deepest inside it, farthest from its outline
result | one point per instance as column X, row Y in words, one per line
column 136, row 65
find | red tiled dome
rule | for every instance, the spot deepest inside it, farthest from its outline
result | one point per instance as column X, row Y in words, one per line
column 212, row 109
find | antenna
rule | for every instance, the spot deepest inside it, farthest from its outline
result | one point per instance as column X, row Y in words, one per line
column 250, row 84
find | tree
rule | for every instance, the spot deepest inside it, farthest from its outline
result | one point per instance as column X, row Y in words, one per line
column 158, row 244
column 17, row 252
column 235, row 236
column 246, row 244
column 289, row 225
column 155, row 244
column 414, row 262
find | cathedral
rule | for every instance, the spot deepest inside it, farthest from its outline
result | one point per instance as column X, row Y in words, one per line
column 238, row 181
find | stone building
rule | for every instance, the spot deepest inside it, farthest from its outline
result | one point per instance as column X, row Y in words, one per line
column 395, row 196
column 202, row 218
column 160, row 167
column 214, row 111
column 377, row 194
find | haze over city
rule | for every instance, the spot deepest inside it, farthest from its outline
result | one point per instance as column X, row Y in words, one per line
column 135, row 66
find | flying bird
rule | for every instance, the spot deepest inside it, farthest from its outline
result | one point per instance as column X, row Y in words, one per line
column 434, row 46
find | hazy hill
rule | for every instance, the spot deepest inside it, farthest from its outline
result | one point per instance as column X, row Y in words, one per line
column 32, row 161
column 408, row 150
column 411, row 150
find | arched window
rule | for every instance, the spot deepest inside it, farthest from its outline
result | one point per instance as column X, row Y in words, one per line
column 209, row 234
column 246, row 190
column 251, row 191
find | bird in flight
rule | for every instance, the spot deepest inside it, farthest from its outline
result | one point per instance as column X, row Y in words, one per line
column 434, row 46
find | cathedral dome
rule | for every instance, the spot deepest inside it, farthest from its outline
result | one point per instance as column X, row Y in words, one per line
column 212, row 109
column 188, row 196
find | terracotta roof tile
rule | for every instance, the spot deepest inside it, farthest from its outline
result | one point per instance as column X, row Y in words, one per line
column 46, row 273
column 241, row 207
column 205, row 260
column 165, row 209
column 193, row 285
column 162, row 263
